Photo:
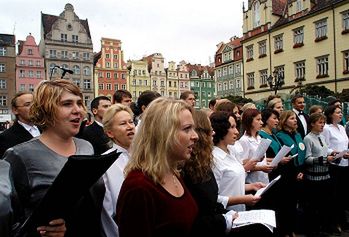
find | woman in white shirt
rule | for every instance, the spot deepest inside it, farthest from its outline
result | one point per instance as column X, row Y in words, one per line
column 119, row 127
column 252, row 123
column 228, row 170
column 337, row 141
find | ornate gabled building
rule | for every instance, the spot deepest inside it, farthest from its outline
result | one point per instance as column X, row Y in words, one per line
column 157, row 73
column 228, row 68
column 202, row 82
column 30, row 67
column 139, row 77
column 7, row 75
column 172, row 80
column 66, row 42
column 296, row 43
column 183, row 77
column 110, row 69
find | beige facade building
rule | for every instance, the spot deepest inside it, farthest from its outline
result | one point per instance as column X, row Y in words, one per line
column 172, row 81
column 139, row 77
column 299, row 42
column 157, row 73
column 183, row 75
column 66, row 43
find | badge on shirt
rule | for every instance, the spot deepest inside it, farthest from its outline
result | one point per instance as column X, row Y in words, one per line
column 301, row 146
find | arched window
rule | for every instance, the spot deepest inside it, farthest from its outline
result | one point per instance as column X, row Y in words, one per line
column 87, row 71
column 76, row 69
column 65, row 66
column 256, row 14
column 52, row 65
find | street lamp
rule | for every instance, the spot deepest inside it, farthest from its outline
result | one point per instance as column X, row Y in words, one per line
column 278, row 81
column 63, row 69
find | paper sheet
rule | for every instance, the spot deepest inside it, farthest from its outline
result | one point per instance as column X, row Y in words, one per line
column 263, row 216
column 261, row 149
column 282, row 153
column 263, row 190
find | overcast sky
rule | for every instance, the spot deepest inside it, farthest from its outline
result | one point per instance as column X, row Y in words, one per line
column 181, row 30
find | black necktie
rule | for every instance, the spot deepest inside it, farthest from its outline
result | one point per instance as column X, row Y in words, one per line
column 321, row 144
column 301, row 112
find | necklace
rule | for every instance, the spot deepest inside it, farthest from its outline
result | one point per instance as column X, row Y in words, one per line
column 175, row 181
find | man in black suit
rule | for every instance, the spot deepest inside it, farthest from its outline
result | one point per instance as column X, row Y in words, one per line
column 94, row 133
column 298, row 105
column 22, row 129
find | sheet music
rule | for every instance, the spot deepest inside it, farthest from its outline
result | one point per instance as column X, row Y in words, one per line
column 282, row 153
column 261, row 149
column 263, row 190
column 263, row 216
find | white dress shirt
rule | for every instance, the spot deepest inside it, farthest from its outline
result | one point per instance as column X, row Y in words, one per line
column 230, row 176
column 113, row 179
column 302, row 118
column 336, row 139
column 249, row 145
column 32, row 129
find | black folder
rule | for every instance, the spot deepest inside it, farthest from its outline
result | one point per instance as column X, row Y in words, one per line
column 74, row 180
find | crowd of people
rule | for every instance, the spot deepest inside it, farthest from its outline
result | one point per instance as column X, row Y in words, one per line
column 180, row 171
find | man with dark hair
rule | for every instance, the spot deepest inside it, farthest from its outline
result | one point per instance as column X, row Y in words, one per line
column 298, row 105
column 123, row 97
column 94, row 133
column 188, row 97
column 211, row 104
column 23, row 129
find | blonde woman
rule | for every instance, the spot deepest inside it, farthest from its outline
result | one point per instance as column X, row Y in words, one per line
column 153, row 200
column 119, row 127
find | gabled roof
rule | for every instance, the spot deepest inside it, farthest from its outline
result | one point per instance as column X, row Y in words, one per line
column 279, row 7
column 200, row 69
column 48, row 20
column 7, row 40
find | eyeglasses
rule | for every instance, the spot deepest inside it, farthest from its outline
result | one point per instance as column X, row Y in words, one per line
column 27, row 104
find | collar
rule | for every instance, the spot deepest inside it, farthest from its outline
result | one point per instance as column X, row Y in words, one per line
column 27, row 126
column 219, row 153
column 99, row 123
column 117, row 147
column 297, row 112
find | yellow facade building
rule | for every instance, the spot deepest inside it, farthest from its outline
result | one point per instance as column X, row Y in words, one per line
column 139, row 78
column 297, row 43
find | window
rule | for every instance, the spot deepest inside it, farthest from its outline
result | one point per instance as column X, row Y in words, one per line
column 280, row 72
column 299, row 6
column 249, row 50
column 162, row 83
column 87, row 100
column 225, row 86
column 115, row 56
column 108, row 86
column 30, row 52
column 52, row 68
column 38, row 74
column 108, row 74
column 22, row 62
column 2, row 67
column 237, row 70
column 64, row 37
column 30, row 62
column 231, row 85
column 75, row 38
column 140, row 82
column 65, row 66
column 107, row 55
column 115, row 65
column 31, row 74
column 262, row 48
column 154, row 82
column 115, row 76
column 3, row 100
column 321, row 30
column 170, row 84
column 86, row 56
column 76, row 82
column 133, row 82
column 219, row 87
column 116, row 87
column 300, row 70
column 75, row 55
column 298, row 37
column 87, row 71
column 38, row 64
column 250, row 80
column 76, row 69
column 256, row 12
column 100, row 86
column 53, row 53
column 145, row 82
column 346, row 62
column 238, row 84
column 226, row 57
column 345, row 22
column 22, row 87
column 3, row 51
column 107, row 65
column 64, row 54
column 263, row 77
column 123, row 76
column 123, row 86
column 87, row 84
column 322, row 66
column 3, row 84
column 21, row 73
column 31, row 87
column 278, row 43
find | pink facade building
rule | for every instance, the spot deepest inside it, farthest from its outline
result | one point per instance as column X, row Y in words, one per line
column 30, row 69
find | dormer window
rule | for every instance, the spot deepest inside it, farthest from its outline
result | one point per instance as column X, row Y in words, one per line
column 299, row 5
column 256, row 14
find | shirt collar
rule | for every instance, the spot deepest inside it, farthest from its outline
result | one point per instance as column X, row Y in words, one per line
column 99, row 123
column 219, row 153
column 27, row 126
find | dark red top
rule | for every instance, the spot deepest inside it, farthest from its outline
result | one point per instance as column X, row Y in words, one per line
column 147, row 209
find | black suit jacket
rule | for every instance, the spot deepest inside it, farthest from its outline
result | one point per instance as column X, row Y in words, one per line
column 96, row 136
column 16, row 134
column 300, row 128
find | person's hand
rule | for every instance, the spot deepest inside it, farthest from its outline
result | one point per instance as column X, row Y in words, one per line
column 249, row 164
column 257, row 185
column 251, row 199
column 266, row 168
column 330, row 158
column 285, row 160
column 300, row 176
column 56, row 228
column 346, row 155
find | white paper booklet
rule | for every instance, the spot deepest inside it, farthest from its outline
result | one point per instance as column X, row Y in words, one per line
column 261, row 149
column 263, row 216
column 263, row 190
column 281, row 154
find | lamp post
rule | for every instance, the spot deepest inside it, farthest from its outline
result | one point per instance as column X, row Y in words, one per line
column 277, row 82
column 63, row 69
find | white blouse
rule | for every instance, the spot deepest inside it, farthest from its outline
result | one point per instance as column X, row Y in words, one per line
column 336, row 139
column 230, row 177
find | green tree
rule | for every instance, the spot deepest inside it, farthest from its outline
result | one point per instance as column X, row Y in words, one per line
column 320, row 91
column 238, row 99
